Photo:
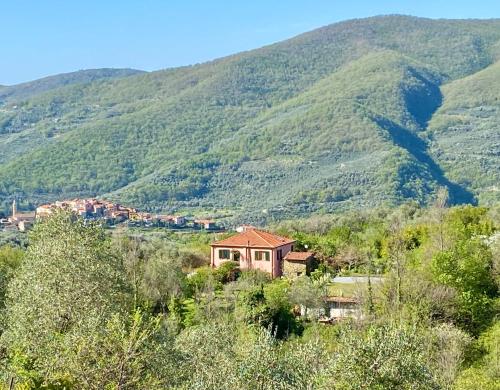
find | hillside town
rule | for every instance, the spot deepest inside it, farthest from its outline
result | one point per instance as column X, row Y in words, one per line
column 112, row 214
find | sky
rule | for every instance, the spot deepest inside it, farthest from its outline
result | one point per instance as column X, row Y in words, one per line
column 45, row 37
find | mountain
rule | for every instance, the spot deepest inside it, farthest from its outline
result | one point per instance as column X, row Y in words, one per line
column 355, row 114
column 32, row 88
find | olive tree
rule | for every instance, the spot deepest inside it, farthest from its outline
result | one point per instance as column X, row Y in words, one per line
column 380, row 357
column 69, row 285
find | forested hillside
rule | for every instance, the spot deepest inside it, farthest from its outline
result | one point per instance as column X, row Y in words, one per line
column 32, row 88
column 360, row 113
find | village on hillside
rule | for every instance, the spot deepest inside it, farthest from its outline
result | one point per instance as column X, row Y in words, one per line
column 112, row 214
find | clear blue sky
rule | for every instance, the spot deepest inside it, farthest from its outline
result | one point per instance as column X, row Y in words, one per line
column 44, row 37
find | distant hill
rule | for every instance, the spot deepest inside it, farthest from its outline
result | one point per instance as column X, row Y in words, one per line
column 356, row 114
column 32, row 88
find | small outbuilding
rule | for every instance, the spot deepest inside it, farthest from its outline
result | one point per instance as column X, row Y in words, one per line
column 343, row 307
column 298, row 263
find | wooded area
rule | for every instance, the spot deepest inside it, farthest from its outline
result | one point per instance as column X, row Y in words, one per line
column 81, row 308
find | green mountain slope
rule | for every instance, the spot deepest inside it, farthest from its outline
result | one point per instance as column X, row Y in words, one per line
column 466, row 133
column 333, row 119
column 32, row 88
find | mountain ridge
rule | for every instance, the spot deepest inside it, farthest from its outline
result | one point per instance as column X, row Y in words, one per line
column 340, row 117
column 45, row 84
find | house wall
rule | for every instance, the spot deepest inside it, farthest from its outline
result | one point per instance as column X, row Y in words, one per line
column 262, row 265
column 278, row 266
column 333, row 311
column 291, row 268
column 247, row 258
column 343, row 312
column 179, row 220
column 216, row 261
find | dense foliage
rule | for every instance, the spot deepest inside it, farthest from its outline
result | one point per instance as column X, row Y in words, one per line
column 92, row 310
column 333, row 119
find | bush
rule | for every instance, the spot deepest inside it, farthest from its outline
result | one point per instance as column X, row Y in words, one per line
column 200, row 280
column 226, row 272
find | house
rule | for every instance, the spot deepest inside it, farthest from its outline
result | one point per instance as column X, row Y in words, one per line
column 179, row 220
column 206, row 224
column 24, row 225
column 121, row 215
column 343, row 307
column 21, row 220
column 98, row 210
column 298, row 263
column 253, row 249
column 334, row 309
column 176, row 221
column 95, row 209
column 18, row 217
column 44, row 210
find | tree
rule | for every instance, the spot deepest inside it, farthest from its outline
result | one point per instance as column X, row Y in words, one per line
column 211, row 364
column 242, row 358
column 380, row 357
column 438, row 213
column 226, row 272
column 132, row 251
column 268, row 364
column 396, row 249
column 268, row 307
column 132, row 352
column 449, row 350
column 163, row 279
column 202, row 280
column 304, row 292
column 10, row 261
column 484, row 371
column 467, row 268
column 69, row 285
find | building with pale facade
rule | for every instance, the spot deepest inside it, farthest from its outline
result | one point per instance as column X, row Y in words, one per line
column 253, row 249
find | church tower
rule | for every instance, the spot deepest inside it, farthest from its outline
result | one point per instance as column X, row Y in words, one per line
column 14, row 209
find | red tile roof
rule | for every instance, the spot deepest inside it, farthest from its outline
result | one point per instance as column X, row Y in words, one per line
column 342, row 299
column 254, row 238
column 298, row 256
column 25, row 215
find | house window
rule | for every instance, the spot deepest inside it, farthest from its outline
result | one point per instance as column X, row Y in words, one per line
column 262, row 255
column 224, row 254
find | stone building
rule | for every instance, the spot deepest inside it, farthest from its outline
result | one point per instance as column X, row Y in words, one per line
column 298, row 263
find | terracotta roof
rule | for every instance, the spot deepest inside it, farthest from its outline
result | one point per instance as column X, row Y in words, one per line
column 25, row 215
column 255, row 238
column 342, row 299
column 298, row 256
